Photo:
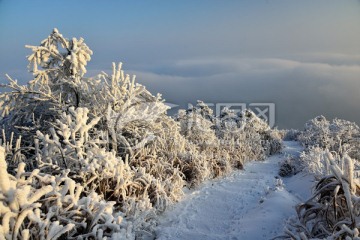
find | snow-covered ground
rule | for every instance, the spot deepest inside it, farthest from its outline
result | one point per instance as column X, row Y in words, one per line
column 249, row 204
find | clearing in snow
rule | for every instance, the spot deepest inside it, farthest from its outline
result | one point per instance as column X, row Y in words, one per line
column 250, row 204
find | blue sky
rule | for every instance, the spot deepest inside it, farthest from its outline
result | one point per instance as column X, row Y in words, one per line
column 302, row 55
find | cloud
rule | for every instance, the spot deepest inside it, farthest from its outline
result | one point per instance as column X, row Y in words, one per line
column 301, row 90
column 331, row 58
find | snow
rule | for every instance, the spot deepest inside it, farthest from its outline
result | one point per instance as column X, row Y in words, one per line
column 250, row 204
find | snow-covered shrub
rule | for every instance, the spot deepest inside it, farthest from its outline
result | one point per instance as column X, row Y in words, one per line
column 346, row 137
column 234, row 140
column 316, row 132
column 137, row 126
column 58, row 66
column 240, row 137
column 226, row 141
column 313, row 161
column 291, row 135
column 255, row 129
column 35, row 205
column 197, row 126
column 77, row 147
column 58, row 58
column 333, row 212
column 289, row 166
column 273, row 141
column 286, row 168
column 339, row 135
column 14, row 151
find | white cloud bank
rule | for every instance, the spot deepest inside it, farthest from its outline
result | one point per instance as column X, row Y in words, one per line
column 300, row 89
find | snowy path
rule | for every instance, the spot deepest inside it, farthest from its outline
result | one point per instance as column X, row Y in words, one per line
column 245, row 205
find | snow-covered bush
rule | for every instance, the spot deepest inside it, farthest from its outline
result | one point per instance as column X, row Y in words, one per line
column 227, row 141
column 289, row 166
column 291, row 135
column 234, row 140
column 35, row 205
column 333, row 212
column 256, row 129
column 316, row 132
column 339, row 135
column 197, row 126
column 77, row 147
column 346, row 137
column 58, row 66
column 14, row 151
column 313, row 161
